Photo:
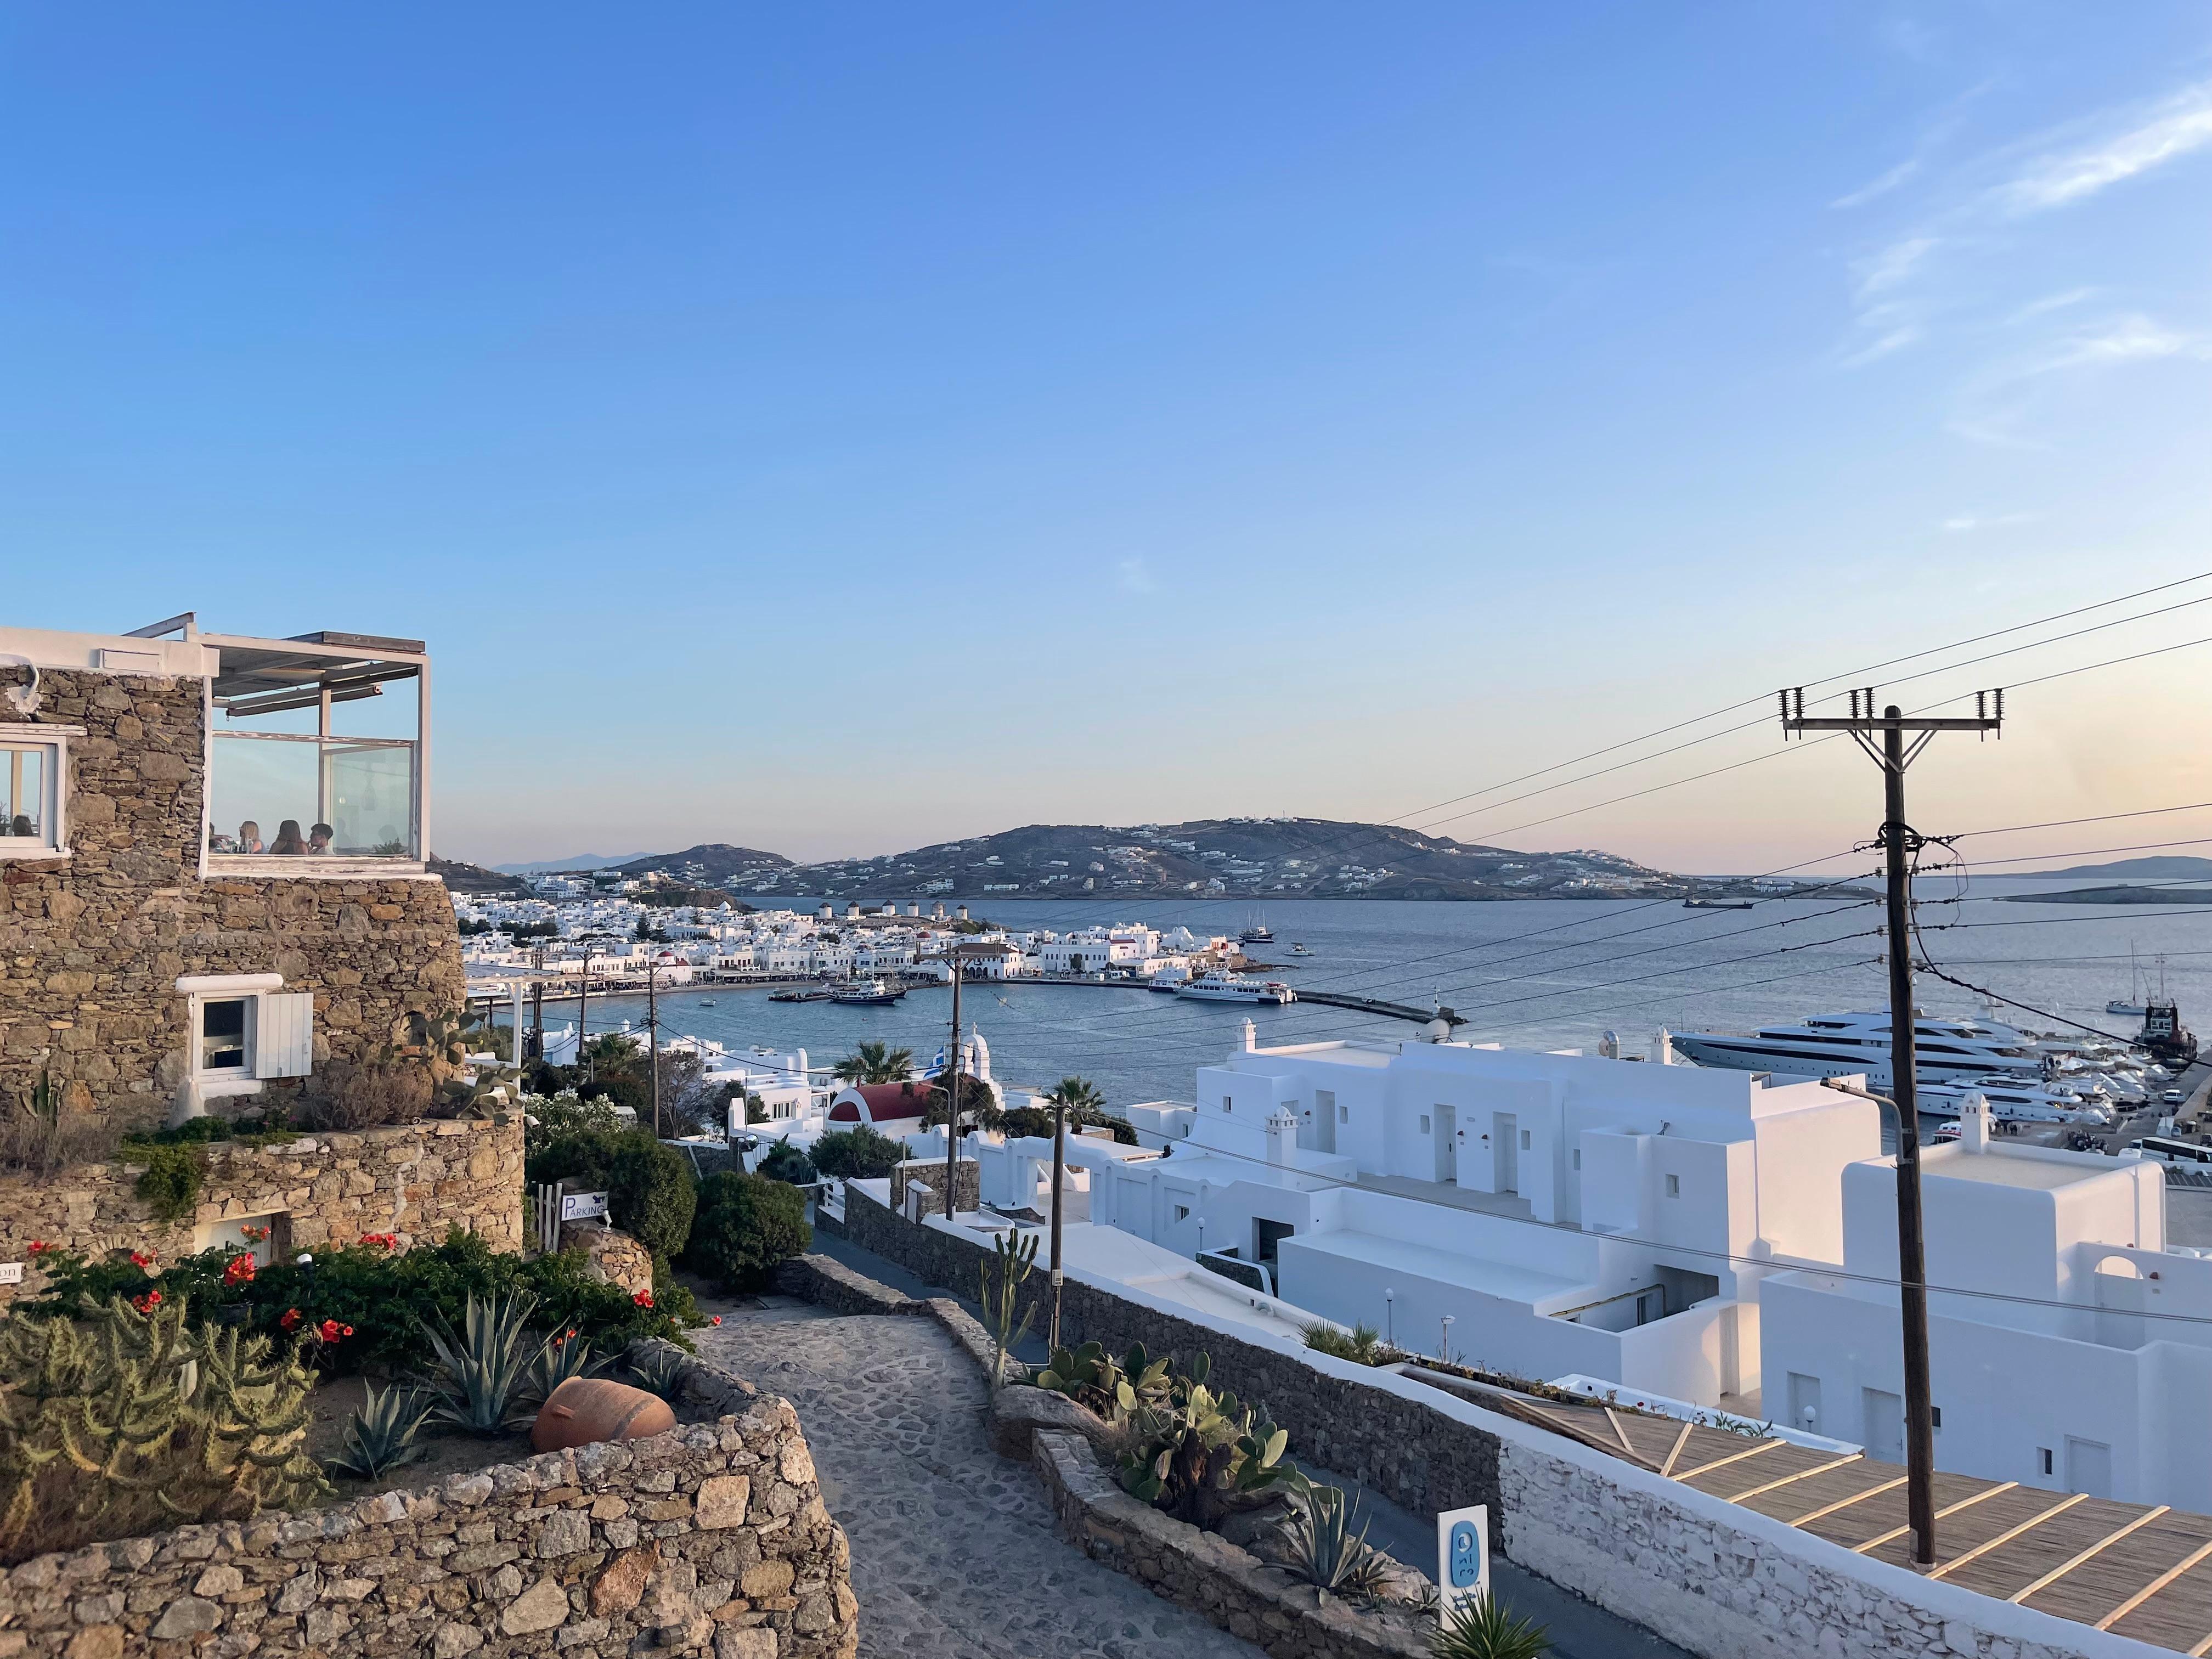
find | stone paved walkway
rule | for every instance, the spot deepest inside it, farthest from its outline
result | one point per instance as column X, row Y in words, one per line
column 953, row 1548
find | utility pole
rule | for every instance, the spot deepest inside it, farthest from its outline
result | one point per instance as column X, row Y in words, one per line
column 652, row 1032
column 952, row 1111
column 537, row 1005
column 1901, row 842
column 1059, row 1163
column 583, row 1002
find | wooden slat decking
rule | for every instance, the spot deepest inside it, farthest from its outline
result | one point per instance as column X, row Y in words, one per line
column 2136, row 1570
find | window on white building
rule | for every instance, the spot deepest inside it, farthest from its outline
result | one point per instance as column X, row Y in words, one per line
column 1424, row 1123
column 1674, row 1185
column 1524, row 1140
column 1183, row 1212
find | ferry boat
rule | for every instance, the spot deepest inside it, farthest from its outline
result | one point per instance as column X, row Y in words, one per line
column 1842, row 1045
column 1230, row 988
column 867, row 993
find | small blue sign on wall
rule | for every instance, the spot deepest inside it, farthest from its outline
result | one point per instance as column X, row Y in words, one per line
column 1463, row 1554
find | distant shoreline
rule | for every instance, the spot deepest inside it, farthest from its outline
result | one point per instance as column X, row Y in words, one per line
column 2114, row 896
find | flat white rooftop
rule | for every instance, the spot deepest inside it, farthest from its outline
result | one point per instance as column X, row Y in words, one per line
column 2031, row 1167
column 1499, row 1279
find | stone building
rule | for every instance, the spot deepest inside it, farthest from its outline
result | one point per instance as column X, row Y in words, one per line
column 213, row 884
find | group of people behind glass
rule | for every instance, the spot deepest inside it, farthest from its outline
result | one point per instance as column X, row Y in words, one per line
column 288, row 842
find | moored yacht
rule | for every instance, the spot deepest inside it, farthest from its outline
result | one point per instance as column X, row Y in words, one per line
column 1230, row 988
column 1842, row 1045
column 867, row 993
column 2014, row 1101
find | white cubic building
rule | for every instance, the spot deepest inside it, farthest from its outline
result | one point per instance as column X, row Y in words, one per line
column 2070, row 1348
column 1569, row 1214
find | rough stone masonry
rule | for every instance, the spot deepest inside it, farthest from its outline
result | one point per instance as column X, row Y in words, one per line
column 92, row 947
column 709, row 1539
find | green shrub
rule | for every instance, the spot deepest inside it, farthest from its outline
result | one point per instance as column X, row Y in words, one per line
column 170, row 1183
column 746, row 1224
column 133, row 1421
column 387, row 1296
column 862, row 1154
column 1481, row 1628
column 651, row 1194
column 785, row 1162
column 1362, row 1344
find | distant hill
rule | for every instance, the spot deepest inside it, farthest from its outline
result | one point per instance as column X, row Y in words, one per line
column 711, row 864
column 474, row 878
column 2114, row 896
column 1244, row 857
column 581, row 861
column 2162, row 868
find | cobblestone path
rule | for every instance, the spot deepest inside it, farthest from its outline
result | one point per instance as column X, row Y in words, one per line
column 953, row 1549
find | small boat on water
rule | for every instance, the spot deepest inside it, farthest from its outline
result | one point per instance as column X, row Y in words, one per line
column 1300, row 950
column 706, row 1002
column 867, row 993
column 1716, row 904
column 1258, row 934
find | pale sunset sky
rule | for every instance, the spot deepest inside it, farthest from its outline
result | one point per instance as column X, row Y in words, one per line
column 842, row 428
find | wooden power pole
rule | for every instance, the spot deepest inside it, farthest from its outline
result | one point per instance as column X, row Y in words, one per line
column 1901, row 842
column 952, row 1105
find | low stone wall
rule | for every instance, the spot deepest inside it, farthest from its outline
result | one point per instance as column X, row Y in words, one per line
column 1398, row 1447
column 1207, row 1574
column 831, row 1284
column 615, row 1258
column 418, row 1180
column 967, row 1182
column 711, row 1538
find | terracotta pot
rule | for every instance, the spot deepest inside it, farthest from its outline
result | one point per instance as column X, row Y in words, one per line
column 589, row 1409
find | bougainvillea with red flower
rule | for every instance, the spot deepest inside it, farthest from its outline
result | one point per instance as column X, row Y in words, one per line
column 239, row 1271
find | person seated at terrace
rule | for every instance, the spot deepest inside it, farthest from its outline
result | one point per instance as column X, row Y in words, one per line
column 249, row 837
column 319, row 841
column 22, row 825
column 288, row 843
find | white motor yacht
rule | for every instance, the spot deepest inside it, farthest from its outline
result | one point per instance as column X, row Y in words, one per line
column 2014, row 1101
column 1842, row 1045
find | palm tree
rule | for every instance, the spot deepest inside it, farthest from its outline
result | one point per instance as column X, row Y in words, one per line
column 875, row 1062
column 1079, row 1097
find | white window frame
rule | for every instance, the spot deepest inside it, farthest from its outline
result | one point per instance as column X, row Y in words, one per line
column 199, row 990
column 53, row 842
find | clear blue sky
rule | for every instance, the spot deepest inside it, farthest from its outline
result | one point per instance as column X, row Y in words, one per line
column 838, row 428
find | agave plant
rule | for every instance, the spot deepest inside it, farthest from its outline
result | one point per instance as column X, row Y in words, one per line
column 1480, row 1628
column 1110, row 1388
column 660, row 1369
column 1202, row 1455
column 480, row 1373
column 381, row 1434
column 566, row 1355
column 1327, row 1553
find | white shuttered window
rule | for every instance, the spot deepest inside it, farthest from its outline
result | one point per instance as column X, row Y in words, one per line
column 284, row 1043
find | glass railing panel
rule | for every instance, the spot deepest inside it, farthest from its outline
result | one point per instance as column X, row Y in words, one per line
column 277, row 796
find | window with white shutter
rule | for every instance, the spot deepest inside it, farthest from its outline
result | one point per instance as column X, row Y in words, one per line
column 284, row 1041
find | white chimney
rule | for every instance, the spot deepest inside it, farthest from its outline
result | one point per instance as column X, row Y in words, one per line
column 1282, row 1135
column 1248, row 1038
column 1974, row 1124
column 1662, row 1047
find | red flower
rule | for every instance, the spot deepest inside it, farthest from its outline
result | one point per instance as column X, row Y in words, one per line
column 643, row 1298
column 254, row 1234
column 144, row 1262
column 39, row 1247
column 717, row 1319
column 381, row 1240
column 239, row 1271
column 290, row 1321
column 332, row 1330
column 148, row 1302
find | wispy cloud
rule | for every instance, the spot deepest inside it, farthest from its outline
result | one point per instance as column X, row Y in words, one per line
column 2049, row 303
column 1965, row 522
column 1133, row 576
column 2172, row 129
column 2133, row 338
column 1995, row 404
column 1888, row 181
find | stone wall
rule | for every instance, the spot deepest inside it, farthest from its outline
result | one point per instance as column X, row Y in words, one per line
column 417, row 1180
column 92, row 947
column 967, row 1182
column 1208, row 1574
column 615, row 1258
column 1398, row 1447
column 711, row 1538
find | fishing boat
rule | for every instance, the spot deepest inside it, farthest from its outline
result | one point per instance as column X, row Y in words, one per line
column 867, row 993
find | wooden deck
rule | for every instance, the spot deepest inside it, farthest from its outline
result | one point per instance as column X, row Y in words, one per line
column 2139, row 1570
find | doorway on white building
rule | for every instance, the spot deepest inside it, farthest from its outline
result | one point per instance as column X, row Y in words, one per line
column 1885, row 1425
column 1447, row 1144
column 2089, row 1466
column 1805, row 1403
column 1505, row 1152
column 1266, row 1235
column 1319, row 1132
